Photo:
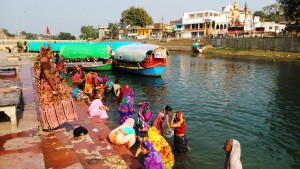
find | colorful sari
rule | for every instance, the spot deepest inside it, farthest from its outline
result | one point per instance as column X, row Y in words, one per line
column 162, row 146
column 159, row 122
column 144, row 117
column 120, row 135
column 89, row 84
column 125, row 89
column 53, row 110
column 77, row 74
column 61, row 68
column 94, row 109
column 126, row 109
column 153, row 159
column 180, row 141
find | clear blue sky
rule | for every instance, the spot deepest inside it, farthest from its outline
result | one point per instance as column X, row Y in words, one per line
column 33, row 16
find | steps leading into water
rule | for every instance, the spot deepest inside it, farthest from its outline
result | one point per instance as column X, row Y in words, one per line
column 93, row 150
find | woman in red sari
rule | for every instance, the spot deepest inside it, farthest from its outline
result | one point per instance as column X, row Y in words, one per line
column 54, row 104
column 78, row 74
column 179, row 125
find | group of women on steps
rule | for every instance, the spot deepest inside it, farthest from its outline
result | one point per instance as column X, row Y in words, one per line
column 56, row 107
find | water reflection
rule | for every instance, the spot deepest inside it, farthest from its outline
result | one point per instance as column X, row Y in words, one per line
column 253, row 101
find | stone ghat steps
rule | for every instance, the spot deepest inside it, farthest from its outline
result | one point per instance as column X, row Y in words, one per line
column 93, row 150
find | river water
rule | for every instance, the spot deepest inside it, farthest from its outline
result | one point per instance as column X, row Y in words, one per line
column 256, row 102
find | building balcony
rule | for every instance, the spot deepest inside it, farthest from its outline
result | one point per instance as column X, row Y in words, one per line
column 132, row 34
column 199, row 29
column 178, row 29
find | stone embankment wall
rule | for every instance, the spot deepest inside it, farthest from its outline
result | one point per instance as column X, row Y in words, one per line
column 285, row 44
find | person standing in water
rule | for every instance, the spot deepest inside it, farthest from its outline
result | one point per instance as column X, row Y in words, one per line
column 179, row 125
column 233, row 155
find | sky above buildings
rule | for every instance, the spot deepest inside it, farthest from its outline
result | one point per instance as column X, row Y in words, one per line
column 33, row 16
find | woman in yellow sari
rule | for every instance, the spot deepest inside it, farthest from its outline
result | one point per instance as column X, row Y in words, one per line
column 161, row 145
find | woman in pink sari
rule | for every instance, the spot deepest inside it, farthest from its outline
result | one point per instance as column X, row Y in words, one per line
column 98, row 109
column 159, row 123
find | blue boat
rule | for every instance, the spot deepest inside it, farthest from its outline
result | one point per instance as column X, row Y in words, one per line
column 142, row 59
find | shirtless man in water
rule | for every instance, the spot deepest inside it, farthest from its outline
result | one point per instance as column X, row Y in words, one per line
column 117, row 88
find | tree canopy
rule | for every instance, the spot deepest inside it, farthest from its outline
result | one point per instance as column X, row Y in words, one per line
column 114, row 29
column 291, row 9
column 270, row 13
column 5, row 31
column 135, row 17
column 88, row 32
column 65, row 36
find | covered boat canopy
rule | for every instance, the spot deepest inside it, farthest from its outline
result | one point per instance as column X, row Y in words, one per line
column 56, row 46
column 116, row 44
column 138, row 52
column 85, row 50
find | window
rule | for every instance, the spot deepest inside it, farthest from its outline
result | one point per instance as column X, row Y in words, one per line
column 191, row 15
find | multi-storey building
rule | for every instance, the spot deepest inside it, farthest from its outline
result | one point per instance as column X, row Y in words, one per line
column 212, row 23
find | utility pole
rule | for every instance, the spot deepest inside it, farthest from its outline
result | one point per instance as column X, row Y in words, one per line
column 162, row 26
column 245, row 10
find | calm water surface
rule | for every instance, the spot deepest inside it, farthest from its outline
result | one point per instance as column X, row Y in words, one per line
column 256, row 102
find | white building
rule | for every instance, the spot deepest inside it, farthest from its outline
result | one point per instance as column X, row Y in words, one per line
column 272, row 27
column 213, row 23
column 199, row 24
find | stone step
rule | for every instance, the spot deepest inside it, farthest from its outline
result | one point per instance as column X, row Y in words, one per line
column 93, row 150
column 96, row 144
column 59, row 151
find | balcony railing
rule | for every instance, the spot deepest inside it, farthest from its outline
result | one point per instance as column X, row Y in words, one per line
column 199, row 29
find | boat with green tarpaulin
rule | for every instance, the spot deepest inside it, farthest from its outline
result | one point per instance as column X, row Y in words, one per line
column 94, row 56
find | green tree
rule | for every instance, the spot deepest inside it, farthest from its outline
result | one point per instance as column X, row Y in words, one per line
column 66, row 36
column 28, row 35
column 261, row 14
column 5, row 31
column 270, row 13
column 291, row 9
column 135, row 17
column 88, row 32
column 114, row 29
